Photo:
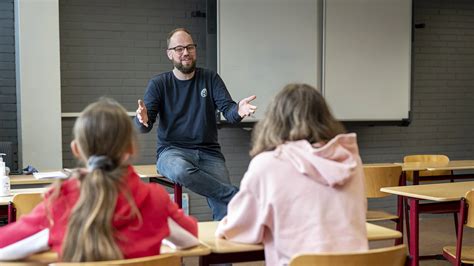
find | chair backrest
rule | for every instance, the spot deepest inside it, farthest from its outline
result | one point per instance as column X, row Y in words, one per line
column 25, row 203
column 21, row 263
column 391, row 256
column 377, row 177
column 162, row 260
column 470, row 211
column 435, row 158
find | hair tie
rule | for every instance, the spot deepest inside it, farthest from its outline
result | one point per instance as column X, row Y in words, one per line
column 100, row 162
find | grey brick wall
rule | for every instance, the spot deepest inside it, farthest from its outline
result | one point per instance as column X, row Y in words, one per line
column 113, row 47
column 8, row 113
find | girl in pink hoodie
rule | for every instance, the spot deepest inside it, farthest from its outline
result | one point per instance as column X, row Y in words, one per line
column 304, row 188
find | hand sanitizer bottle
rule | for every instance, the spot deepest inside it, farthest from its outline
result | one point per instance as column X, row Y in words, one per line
column 4, row 179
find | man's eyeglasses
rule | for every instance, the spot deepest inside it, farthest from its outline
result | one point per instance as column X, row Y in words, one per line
column 180, row 49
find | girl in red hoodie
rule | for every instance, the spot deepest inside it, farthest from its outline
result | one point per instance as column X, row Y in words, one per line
column 103, row 211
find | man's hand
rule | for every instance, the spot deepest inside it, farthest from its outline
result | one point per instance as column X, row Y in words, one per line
column 245, row 108
column 142, row 114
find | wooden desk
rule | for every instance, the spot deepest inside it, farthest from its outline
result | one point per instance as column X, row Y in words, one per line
column 416, row 167
column 370, row 165
column 147, row 171
column 144, row 171
column 223, row 251
column 443, row 192
column 19, row 180
column 216, row 250
column 51, row 256
column 434, row 166
column 445, row 198
column 199, row 250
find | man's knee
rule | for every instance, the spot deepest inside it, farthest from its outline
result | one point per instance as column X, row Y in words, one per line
column 177, row 170
column 182, row 176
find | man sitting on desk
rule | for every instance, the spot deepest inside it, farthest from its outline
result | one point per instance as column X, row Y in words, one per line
column 186, row 100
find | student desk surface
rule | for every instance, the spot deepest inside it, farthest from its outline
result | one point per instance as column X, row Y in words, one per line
column 212, row 247
column 19, row 180
column 223, row 251
column 20, row 184
column 435, row 192
column 207, row 236
column 144, row 171
column 416, row 167
column 444, row 197
column 50, row 256
column 429, row 166
column 435, row 166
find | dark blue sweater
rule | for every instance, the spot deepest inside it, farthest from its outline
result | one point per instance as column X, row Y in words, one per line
column 186, row 110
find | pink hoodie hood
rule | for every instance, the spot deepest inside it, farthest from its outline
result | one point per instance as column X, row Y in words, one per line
column 331, row 164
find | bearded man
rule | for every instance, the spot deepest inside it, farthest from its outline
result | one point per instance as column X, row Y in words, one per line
column 185, row 101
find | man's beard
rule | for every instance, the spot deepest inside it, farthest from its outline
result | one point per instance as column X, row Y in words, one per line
column 185, row 69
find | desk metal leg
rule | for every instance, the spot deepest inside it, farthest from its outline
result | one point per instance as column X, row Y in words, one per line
column 407, row 219
column 415, row 181
column 403, row 182
column 11, row 213
column 399, row 228
column 416, row 177
column 414, row 233
column 177, row 189
column 178, row 192
column 400, row 210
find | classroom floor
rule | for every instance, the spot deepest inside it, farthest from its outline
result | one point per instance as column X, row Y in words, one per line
column 434, row 234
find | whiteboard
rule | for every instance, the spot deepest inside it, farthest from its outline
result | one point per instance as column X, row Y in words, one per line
column 357, row 51
column 265, row 44
column 367, row 58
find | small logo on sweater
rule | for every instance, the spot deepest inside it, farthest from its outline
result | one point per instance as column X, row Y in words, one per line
column 204, row 93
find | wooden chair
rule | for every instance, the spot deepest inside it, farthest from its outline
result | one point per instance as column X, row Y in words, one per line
column 22, row 204
column 377, row 177
column 391, row 256
column 435, row 158
column 459, row 254
column 161, row 260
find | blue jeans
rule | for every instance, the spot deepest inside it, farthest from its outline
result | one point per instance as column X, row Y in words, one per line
column 200, row 172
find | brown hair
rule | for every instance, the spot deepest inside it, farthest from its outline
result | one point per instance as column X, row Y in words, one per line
column 104, row 135
column 172, row 33
column 297, row 112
